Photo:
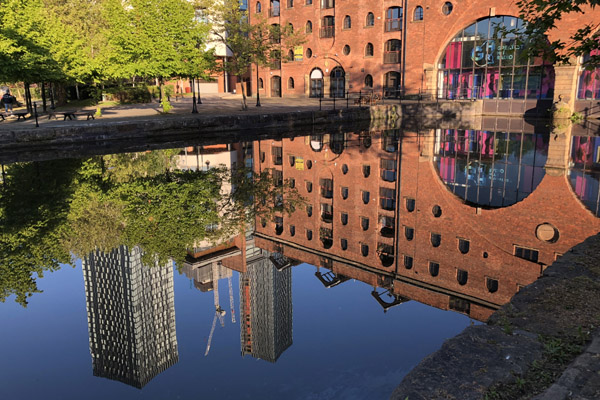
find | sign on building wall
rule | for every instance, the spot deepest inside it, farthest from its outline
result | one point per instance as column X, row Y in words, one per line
column 298, row 53
column 299, row 164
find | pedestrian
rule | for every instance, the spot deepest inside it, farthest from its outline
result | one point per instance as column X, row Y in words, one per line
column 8, row 99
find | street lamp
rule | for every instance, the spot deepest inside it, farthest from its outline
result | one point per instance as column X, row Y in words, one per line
column 194, row 108
column 257, row 88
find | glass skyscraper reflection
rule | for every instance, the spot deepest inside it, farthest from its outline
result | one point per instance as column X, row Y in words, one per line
column 131, row 316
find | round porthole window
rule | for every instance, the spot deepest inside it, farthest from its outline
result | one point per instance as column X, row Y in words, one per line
column 437, row 211
column 346, row 50
column 447, row 8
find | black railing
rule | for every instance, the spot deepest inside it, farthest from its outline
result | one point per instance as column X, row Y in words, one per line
column 393, row 24
column 391, row 57
column 328, row 31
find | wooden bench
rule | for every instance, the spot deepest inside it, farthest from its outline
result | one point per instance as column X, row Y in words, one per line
column 21, row 114
column 72, row 114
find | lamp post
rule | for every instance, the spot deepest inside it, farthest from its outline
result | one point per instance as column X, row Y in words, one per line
column 37, row 125
column 194, row 108
column 257, row 88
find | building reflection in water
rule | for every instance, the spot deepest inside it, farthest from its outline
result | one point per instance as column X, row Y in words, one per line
column 131, row 316
column 457, row 219
column 265, row 290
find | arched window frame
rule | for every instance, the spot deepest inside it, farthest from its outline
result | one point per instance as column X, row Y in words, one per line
column 347, row 22
column 369, row 50
column 418, row 14
column 370, row 19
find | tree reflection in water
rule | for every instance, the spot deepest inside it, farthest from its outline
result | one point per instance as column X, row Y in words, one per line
column 52, row 211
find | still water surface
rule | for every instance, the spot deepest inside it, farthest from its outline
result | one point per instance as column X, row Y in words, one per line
column 458, row 220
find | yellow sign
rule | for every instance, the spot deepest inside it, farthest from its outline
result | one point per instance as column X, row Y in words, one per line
column 298, row 53
column 299, row 164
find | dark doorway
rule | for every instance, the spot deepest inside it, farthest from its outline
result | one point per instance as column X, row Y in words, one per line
column 276, row 86
column 338, row 83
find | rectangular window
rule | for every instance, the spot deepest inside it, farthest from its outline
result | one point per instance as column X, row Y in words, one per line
column 277, row 153
column 387, row 198
column 278, row 178
column 326, row 188
column 327, row 212
column 327, row 3
column 526, row 254
column 388, row 170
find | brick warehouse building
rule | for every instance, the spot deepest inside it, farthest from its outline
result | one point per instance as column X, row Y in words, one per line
column 438, row 47
column 418, row 213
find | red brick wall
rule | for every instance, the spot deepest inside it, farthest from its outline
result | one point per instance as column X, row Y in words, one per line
column 425, row 40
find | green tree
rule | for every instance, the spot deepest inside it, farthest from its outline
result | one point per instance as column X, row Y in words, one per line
column 542, row 16
column 153, row 39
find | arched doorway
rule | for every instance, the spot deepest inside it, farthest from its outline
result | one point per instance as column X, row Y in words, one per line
column 276, row 86
column 391, row 86
column 316, row 83
column 337, row 87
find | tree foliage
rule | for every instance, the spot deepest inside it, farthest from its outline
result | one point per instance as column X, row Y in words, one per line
column 542, row 17
column 52, row 210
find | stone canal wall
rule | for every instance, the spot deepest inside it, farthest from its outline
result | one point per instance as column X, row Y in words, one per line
column 221, row 127
column 527, row 344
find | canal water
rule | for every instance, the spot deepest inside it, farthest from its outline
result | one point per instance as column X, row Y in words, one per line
column 316, row 266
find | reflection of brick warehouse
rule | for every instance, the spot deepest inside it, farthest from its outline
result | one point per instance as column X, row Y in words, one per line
column 266, row 309
column 131, row 316
column 495, row 263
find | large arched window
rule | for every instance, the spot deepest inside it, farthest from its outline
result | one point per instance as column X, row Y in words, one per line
column 488, row 59
column 483, row 61
column 418, row 15
column 328, row 27
column 274, row 10
column 490, row 169
column 393, row 19
column 589, row 81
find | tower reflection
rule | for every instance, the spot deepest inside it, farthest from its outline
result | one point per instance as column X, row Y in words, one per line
column 131, row 316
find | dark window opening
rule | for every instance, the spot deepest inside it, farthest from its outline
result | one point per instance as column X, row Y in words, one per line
column 343, row 244
column 365, row 197
column 277, row 153
column 344, row 218
column 370, row 21
column 344, row 191
column 409, row 233
column 408, row 262
column 462, row 277
column 309, row 211
column 418, row 16
column 410, row 204
column 492, row 285
column 326, row 237
column 388, row 170
column 292, row 230
column 364, row 223
column 278, row 225
column 309, row 234
column 463, row 246
column 436, row 239
column 526, row 254
column 308, row 186
column 364, row 249
column 434, row 268
column 436, row 211
column 366, row 170
column 327, row 213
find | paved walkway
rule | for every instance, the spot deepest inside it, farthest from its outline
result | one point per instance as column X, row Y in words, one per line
column 215, row 104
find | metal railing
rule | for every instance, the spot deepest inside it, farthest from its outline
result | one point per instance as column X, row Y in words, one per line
column 393, row 24
column 391, row 57
column 328, row 31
